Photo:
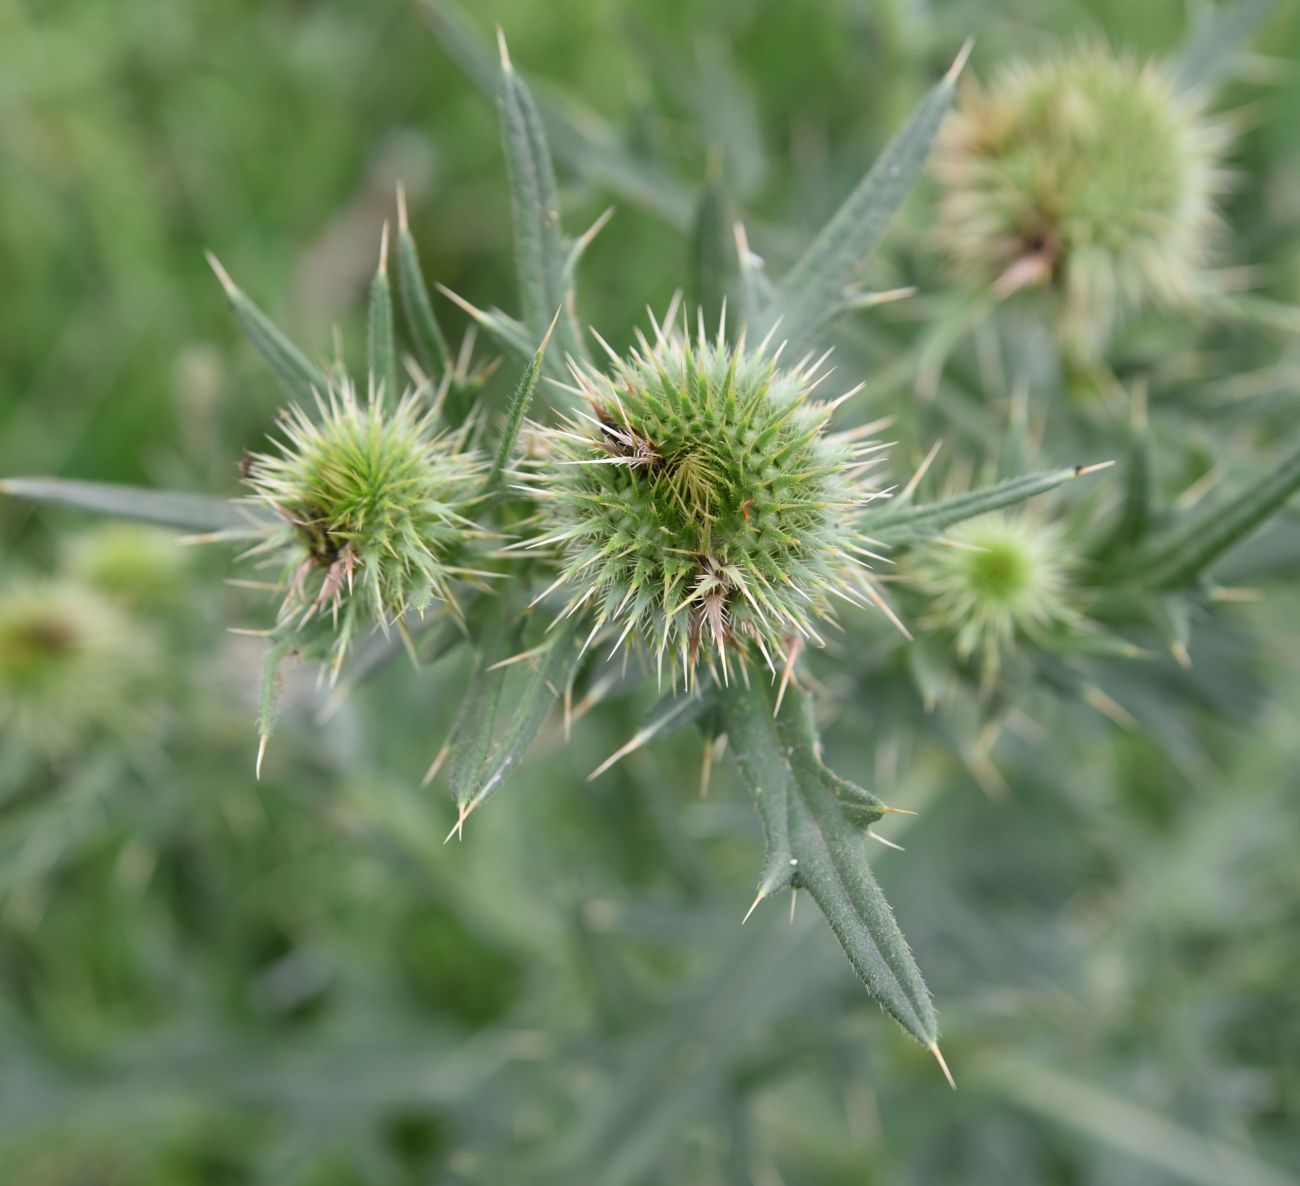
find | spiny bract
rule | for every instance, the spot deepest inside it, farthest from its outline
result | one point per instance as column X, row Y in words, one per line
column 992, row 580
column 1092, row 176
column 374, row 502
column 701, row 501
column 72, row 663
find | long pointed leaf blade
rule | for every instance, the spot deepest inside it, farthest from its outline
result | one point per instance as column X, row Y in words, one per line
column 540, row 252
column 297, row 374
column 587, row 145
column 166, row 508
column 906, row 523
column 426, row 334
column 518, row 409
column 381, row 348
column 815, row 823
column 813, row 292
column 1181, row 556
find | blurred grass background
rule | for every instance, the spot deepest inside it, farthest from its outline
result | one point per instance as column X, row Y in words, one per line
column 204, row 980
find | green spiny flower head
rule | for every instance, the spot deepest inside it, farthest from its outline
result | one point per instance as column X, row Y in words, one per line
column 72, row 663
column 994, row 580
column 1091, row 176
column 375, row 504
column 700, row 503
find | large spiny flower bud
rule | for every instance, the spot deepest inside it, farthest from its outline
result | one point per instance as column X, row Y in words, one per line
column 1091, row 177
column 699, row 503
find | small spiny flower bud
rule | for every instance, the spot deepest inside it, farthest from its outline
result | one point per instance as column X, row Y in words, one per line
column 374, row 502
column 700, row 504
column 1090, row 177
column 992, row 582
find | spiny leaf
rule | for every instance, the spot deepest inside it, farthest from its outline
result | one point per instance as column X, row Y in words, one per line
column 382, row 351
column 1180, row 557
column 589, row 147
column 512, row 334
column 905, row 524
column 815, row 823
column 480, row 758
column 1217, row 42
column 426, row 334
column 299, row 376
column 167, row 508
column 813, row 291
column 518, row 409
column 540, row 251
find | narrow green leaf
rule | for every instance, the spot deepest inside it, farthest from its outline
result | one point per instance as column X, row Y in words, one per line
column 381, row 348
column 540, row 250
column 713, row 267
column 1181, row 556
column 512, row 334
column 815, row 823
column 188, row 512
column 1217, row 42
column 482, row 756
column 813, row 292
column 588, row 145
column 518, row 409
column 552, row 674
column 297, row 374
column 905, row 523
column 426, row 334
column 1134, row 518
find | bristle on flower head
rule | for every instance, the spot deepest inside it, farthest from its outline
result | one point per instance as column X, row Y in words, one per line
column 1090, row 177
column 699, row 505
column 374, row 502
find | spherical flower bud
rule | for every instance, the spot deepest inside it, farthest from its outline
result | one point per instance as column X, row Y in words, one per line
column 374, row 503
column 1091, row 177
column 72, row 664
column 993, row 581
column 699, row 505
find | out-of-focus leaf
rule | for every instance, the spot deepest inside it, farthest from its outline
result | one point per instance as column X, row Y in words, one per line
column 1217, row 41
column 421, row 322
column 195, row 513
column 1181, row 556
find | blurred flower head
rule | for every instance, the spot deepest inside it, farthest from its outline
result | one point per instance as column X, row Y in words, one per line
column 73, row 663
column 1090, row 177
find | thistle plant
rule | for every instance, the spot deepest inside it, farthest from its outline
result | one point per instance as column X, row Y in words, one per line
column 700, row 503
column 1091, row 178
column 375, row 503
column 689, row 498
